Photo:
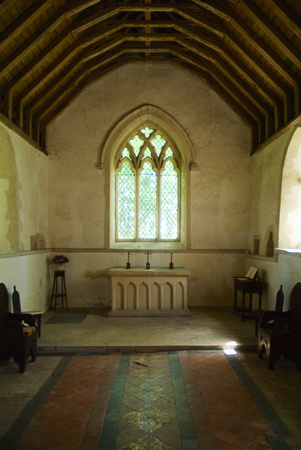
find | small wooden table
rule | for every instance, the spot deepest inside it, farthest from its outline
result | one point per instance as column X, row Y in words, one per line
column 62, row 294
column 246, row 286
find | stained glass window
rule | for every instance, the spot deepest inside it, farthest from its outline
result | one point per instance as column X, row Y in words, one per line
column 148, row 186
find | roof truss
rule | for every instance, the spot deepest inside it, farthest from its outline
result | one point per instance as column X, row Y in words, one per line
column 247, row 51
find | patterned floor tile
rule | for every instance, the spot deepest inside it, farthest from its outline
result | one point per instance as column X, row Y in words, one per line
column 148, row 442
column 173, row 400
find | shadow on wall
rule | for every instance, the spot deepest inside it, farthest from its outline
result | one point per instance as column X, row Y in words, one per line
column 9, row 197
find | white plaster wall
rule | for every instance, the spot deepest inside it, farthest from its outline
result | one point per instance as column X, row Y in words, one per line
column 32, row 277
column 266, row 173
column 220, row 192
column 25, row 211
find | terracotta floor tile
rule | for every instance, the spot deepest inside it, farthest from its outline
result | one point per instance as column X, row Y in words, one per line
column 76, row 406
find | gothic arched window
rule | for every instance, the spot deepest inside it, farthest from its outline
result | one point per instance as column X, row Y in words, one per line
column 148, row 187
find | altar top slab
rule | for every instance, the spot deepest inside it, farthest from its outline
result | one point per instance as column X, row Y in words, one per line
column 152, row 272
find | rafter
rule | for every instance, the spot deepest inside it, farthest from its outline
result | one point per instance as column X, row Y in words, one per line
column 284, row 44
column 247, row 52
column 284, row 12
column 28, row 44
column 18, row 25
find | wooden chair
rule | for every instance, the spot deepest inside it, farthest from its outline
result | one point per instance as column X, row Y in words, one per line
column 258, row 313
column 37, row 315
column 279, row 334
column 16, row 340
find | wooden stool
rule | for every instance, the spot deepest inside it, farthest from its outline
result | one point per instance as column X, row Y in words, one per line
column 63, row 294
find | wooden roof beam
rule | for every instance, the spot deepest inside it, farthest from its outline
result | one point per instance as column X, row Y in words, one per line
column 18, row 25
column 270, row 55
column 256, row 63
column 28, row 44
column 227, row 97
column 200, row 20
column 282, row 42
column 36, row 61
column 44, row 76
column 191, row 60
column 250, row 36
column 238, row 82
column 81, row 5
column 286, row 13
column 213, row 9
column 48, row 88
column 245, row 52
column 222, row 93
column 225, row 79
column 180, row 9
column 64, row 102
column 69, row 85
column 240, row 68
column 101, row 49
column 217, row 46
column 187, row 30
column 248, row 33
column 4, row 5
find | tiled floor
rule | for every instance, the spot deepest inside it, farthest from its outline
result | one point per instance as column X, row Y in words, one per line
column 97, row 388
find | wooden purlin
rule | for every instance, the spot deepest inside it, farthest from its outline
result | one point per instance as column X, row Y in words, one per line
column 247, row 51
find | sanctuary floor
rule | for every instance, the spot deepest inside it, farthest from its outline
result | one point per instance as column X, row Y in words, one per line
column 103, row 382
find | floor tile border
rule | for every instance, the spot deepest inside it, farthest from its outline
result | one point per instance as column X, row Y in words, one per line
column 110, row 426
column 187, row 429
column 13, row 435
column 276, row 423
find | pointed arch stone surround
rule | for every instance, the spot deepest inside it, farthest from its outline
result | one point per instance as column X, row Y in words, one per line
column 138, row 118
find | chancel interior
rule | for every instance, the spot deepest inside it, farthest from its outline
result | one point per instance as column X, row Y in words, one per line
column 147, row 141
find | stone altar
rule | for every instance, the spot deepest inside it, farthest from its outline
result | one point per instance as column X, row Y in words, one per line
column 142, row 292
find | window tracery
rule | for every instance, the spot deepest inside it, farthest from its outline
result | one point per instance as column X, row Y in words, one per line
column 148, row 187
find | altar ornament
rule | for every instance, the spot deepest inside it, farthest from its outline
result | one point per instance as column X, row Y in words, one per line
column 171, row 263
column 128, row 264
column 147, row 260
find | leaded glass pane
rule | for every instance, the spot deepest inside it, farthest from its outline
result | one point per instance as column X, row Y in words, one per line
column 147, row 202
column 126, row 202
column 168, row 153
column 147, row 154
column 169, row 207
column 126, row 153
column 147, row 132
column 158, row 143
column 136, row 143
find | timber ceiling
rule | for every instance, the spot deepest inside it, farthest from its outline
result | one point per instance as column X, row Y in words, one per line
column 248, row 51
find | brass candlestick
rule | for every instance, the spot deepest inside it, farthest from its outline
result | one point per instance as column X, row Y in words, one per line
column 171, row 263
column 147, row 261
column 128, row 264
